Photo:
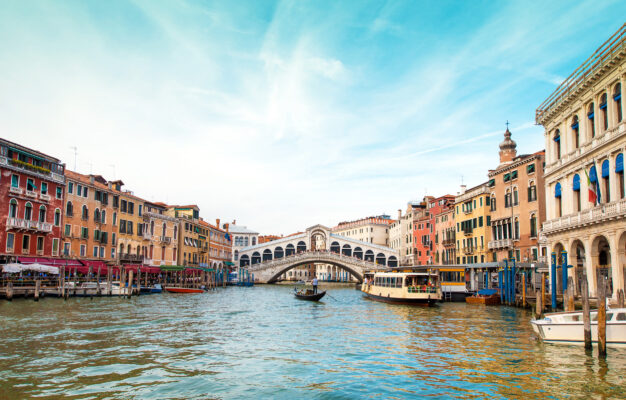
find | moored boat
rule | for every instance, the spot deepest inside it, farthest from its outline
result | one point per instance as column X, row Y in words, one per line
column 567, row 327
column 489, row 297
column 173, row 289
column 156, row 288
column 406, row 285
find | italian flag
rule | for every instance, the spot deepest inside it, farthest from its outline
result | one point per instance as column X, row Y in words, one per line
column 593, row 189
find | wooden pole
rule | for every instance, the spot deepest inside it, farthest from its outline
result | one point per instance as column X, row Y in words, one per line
column 601, row 317
column 538, row 307
column 9, row 292
column 37, row 288
column 130, row 283
column 109, row 280
column 62, row 282
column 586, row 312
column 523, row 290
column 543, row 292
column 570, row 296
column 620, row 298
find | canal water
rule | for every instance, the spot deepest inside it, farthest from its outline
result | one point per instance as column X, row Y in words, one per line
column 261, row 342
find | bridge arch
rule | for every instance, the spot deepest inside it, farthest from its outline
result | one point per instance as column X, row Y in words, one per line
column 393, row 261
column 381, row 259
column 369, row 256
column 256, row 258
column 301, row 247
column 358, row 253
column 244, row 260
column 335, row 248
column 346, row 250
column 290, row 250
column 289, row 267
column 278, row 252
column 267, row 255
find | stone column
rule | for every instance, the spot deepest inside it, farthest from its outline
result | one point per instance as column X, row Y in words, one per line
column 617, row 270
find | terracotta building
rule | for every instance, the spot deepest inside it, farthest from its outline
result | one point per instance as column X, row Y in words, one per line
column 441, row 213
column 193, row 246
column 32, row 188
column 163, row 232
column 220, row 246
column 516, row 205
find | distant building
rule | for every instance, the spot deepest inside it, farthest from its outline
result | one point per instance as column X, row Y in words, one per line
column 220, row 246
column 163, row 230
column 585, row 134
column 268, row 238
column 193, row 246
column 517, row 211
column 241, row 237
column 32, row 189
column 401, row 232
column 473, row 219
column 370, row 229
column 440, row 214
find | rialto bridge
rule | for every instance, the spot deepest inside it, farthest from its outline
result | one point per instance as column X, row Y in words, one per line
column 268, row 261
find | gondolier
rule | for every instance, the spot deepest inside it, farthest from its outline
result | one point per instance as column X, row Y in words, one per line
column 314, row 283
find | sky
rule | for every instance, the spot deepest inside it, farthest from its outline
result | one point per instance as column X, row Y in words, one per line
column 281, row 115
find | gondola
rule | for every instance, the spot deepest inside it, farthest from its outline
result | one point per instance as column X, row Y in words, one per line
column 308, row 295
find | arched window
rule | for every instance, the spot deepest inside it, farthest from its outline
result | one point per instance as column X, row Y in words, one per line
column 507, row 198
column 619, row 170
column 557, row 144
column 28, row 211
column 617, row 98
column 69, row 209
column 152, row 227
column 532, row 191
column 254, row 241
column 13, row 208
column 42, row 213
column 606, row 194
column 576, row 131
column 576, row 189
column 591, row 117
column 557, row 196
column 605, row 116
column 85, row 213
column 515, row 197
column 533, row 225
column 57, row 217
column 516, row 229
column 492, row 203
column 96, row 215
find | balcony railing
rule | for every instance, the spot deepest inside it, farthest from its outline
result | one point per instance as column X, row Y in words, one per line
column 31, row 193
column 147, row 235
column 19, row 223
column 131, row 257
column 596, row 215
column 165, row 239
column 32, row 169
column 44, row 197
column 449, row 242
column 500, row 244
column 16, row 190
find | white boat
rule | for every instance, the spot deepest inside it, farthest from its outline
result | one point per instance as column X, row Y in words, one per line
column 405, row 285
column 567, row 327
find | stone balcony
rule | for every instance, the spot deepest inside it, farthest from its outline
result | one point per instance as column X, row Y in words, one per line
column 165, row 239
column 500, row 244
column 44, row 197
column 596, row 215
column 32, row 170
column 16, row 190
column 23, row 224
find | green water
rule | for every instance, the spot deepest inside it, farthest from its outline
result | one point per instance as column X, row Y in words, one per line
column 261, row 342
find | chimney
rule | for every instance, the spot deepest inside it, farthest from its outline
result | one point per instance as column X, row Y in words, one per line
column 463, row 188
column 234, row 222
column 226, row 226
column 91, row 179
column 399, row 214
column 217, row 222
column 110, row 185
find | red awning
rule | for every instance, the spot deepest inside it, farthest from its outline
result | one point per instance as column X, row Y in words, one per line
column 144, row 268
column 48, row 261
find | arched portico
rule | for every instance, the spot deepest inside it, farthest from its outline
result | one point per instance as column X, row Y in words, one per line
column 244, row 260
column 369, row 256
column 301, row 247
column 290, row 249
column 267, row 255
column 256, row 257
column 346, row 250
column 358, row 253
column 335, row 248
column 601, row 260
column 278, row 252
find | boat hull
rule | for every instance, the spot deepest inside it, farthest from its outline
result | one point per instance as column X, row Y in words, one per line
column 486, row 300
column 183, row 290
column 556, row 329
column 310, row 297
column 426, row 302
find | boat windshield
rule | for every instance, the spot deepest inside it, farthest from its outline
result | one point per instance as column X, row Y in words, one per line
column 416, row 280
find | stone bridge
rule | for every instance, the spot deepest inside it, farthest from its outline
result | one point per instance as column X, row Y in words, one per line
column 316, row 245
column 270, row 271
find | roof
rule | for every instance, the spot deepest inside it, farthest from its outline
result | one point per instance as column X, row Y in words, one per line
column 29, row 150
column 241, row 229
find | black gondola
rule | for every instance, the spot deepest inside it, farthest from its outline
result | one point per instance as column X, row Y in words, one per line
column 309, row 295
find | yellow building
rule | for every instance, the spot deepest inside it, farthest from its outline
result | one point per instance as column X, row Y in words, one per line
column 472, row 217
column 163, row 230
column 131, row 241
column 193, row 245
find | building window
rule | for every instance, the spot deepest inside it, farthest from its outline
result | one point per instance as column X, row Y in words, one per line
column 515, row 197
column 605, row 182
column 103, row 217
column 57, row 217
column 619, row 170
column 591, row 117
column 66, row 248
column 101, row 252
column 576, row 190
column 40, row 245
column 557, row 196
column 69, row 209
column 532, row 192
column 59, row 192
column 617, row 98
column 15, row 181
column 68, row 230
column 576, row 131
column 557, row 144
column 28, row 212
column 70, row 187
column 13, row 208
column 507, row 199
column 10, row 242
column 83, row 250
column 85, row 192
column 114, row 219
column 42, row 214
column 84, row 233
column 85, row 214
column 79, row 190
column 44, row 188
column 604, row 114
column 96, row 215
column 25, row 244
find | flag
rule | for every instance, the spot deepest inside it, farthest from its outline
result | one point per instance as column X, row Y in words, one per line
column 594, row 188
column 228, row 237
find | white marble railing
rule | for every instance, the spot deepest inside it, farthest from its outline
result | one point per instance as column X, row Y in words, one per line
column 320, row 256
column 594, row 215
column 19, row 223
column 498, row 244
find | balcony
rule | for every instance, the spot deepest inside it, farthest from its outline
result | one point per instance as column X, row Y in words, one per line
column 449, row 242
column 44, row 197
column 41, row 172
column 147, row 235
column 468, row 232
column 31, row 193
column 133, row 258
column 165, row 239
column 500, row 244
column 593, row 216
column 468, row 250
column 16, row 190
column 23, row 224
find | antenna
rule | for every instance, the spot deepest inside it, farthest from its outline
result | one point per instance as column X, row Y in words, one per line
column 75, row 154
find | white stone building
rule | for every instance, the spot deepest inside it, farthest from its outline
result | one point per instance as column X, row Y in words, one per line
column 371, row 229
column 585, row 133
column 241, row 237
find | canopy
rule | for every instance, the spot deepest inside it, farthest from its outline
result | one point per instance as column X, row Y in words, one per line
column 487, row 292
column 230, row 263
column 48, row 261
column 15, row 268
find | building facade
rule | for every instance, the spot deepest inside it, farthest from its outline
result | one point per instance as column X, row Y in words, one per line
column 32, row 187
column 241, row 237
column 162, row 231
column 401, row 232
column 472, row 217
column 371, row 229
column 441, row 212
column 585, row 135
column 517, row 213
column 220, row 246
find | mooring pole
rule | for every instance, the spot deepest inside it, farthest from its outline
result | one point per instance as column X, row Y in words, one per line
column 601, row 316
column 586, row 312
column 553, row 280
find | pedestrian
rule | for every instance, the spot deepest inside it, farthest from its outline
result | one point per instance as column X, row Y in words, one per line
column 314, row 283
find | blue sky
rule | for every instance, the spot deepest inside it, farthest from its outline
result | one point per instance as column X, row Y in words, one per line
column 286, row 114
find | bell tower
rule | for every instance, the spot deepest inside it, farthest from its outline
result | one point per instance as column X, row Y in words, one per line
column 508, row 148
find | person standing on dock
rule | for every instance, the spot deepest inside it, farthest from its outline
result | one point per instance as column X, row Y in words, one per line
column 314, row 283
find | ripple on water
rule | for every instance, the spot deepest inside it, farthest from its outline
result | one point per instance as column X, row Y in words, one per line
column 260, row 342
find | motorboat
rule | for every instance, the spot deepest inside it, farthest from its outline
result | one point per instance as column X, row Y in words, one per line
column 407, row 285
column 173, row 289
column 567, row 327
column 156, row 288
column 489, row 297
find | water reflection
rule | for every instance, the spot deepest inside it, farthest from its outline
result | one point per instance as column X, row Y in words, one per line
column 261, row 342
